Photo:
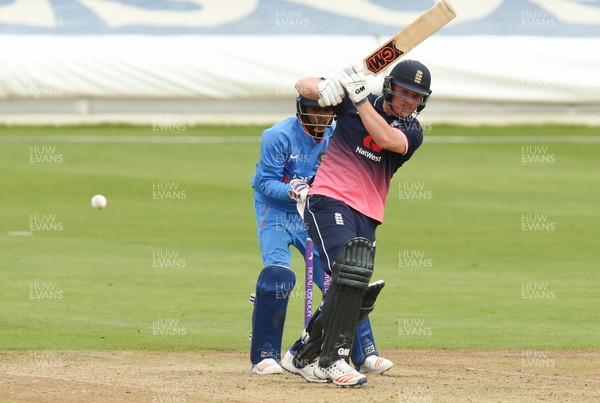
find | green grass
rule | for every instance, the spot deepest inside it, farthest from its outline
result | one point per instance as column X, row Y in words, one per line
column 469, row 231
column 135, row 130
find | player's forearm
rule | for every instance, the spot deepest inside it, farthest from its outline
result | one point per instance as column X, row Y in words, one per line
column 383, row 134
column 307, row 87
column 274, row 188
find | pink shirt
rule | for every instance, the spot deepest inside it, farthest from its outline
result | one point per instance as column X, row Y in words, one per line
column 355, row 170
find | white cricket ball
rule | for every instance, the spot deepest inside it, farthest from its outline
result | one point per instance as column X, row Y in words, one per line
column 98, row 202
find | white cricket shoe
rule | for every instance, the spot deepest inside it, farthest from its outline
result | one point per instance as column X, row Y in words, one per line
column 307, row 372
column 375, row 365
column 341, row 373
column 267, row 366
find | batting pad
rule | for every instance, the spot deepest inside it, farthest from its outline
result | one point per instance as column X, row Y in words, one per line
column 352, row 272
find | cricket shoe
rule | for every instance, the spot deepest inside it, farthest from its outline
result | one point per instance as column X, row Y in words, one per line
column 375, row 365
column 267, row 366
column 306, row 372
column 341, row 374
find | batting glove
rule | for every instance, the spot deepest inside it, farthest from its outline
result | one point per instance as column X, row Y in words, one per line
column 298, row 189
column 331, row 92
column 355, row 82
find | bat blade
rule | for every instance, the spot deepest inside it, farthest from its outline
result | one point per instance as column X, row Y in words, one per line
column 413, row 34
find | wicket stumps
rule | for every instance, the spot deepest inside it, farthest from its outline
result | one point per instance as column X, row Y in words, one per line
column 309, row 281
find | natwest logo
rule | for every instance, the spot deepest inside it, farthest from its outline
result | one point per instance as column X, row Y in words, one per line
column 369, row 143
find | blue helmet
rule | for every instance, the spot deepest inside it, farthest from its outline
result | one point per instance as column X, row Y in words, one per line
column 302, row 101
column 411, row 75
column 315, row 129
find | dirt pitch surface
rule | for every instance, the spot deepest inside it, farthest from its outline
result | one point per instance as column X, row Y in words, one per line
column 418, row 376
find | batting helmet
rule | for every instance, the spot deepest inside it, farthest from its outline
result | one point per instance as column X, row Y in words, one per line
column 413, row 76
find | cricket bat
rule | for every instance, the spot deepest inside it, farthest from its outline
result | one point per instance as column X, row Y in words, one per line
column 413, row 34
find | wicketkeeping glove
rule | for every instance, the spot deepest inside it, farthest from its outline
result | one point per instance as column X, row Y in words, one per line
column 301, row 201
column 355, row 82
column 298, row 189
column 331, row 92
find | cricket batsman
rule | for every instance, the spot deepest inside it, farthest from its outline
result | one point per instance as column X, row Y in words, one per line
column 373, row 138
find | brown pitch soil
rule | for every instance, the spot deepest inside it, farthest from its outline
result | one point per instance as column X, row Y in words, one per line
column 207, row 376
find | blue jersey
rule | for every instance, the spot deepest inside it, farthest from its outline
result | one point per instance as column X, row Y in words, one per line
column 286, row 152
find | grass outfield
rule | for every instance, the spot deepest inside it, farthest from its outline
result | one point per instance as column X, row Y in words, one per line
column 479, row 249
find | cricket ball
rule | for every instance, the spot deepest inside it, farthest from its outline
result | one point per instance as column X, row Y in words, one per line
column 98, row 202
